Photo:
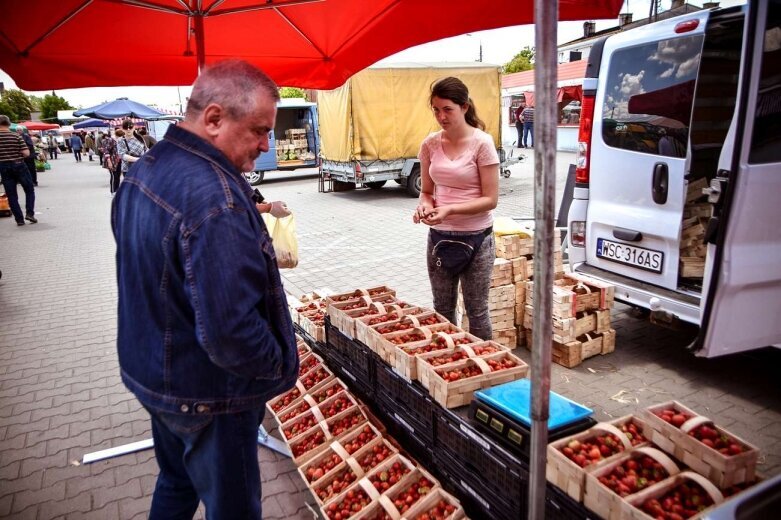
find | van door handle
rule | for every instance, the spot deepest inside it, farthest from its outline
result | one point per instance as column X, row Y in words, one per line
column 660, row 183
column 628, row 235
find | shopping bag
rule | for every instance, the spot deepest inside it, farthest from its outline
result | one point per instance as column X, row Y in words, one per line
column 283, row 236
column 47, row 166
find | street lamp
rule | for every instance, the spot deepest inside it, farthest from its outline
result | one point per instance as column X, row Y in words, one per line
column 480, row 55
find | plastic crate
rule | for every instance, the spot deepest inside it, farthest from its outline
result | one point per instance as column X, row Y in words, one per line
column 358, row 355
column 477, row 501
column 357, row 383
column 398, row 414
column 560, row 506
column 412, row 400
column 409, row 436
column 481, row 459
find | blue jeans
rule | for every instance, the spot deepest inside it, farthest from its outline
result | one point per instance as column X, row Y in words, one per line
column 528, row 132
column 12, row 175
column 213, row 458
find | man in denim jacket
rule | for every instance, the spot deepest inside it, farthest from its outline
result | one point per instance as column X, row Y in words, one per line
column 205, row 338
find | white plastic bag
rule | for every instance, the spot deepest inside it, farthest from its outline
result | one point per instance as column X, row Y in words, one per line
column 283, row 236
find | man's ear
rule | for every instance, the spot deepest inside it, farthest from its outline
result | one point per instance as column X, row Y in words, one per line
column 213, row 117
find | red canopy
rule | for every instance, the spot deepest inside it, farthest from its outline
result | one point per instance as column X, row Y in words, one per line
column 303, row 43
column 34, row 126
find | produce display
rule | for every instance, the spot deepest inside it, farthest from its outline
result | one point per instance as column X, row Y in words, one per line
column 316, row 471
column 411, row 494
column 633, row 475
column 336, row 484
column 385, row 478
column 710, row 437
column 352, row 502
column 375, row 456
column 441, row 511
column 673, row 416
column 360, row 440
column 295, row 412
column 313, row 377
column 592, row 450
column 327, row 392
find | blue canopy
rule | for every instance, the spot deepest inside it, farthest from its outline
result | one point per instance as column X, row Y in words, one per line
column 91, row 123
column 122, row 107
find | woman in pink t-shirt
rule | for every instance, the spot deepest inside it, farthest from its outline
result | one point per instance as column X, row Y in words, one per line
column 459, row 171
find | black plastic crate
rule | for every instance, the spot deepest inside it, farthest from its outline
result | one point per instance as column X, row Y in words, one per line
column 495, row 469
column 478, row 502
column 410, row 398
column 358, row 355
column 397, row 412
column 408, row 437
column 357, row 383
column 560, row 506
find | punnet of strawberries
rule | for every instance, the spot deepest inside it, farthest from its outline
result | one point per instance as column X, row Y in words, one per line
column 359, row 441
column 316, row 471
column 374, row 456
column 502, row 363
column 343, row 424
column 411, row 494
column 308, row 443
column 337, row 484
column 407, row 338
column 441, row 511
column 310, row 379
column 339, row 404
column 460, row 373
column 445, row 359
column 300, row 426
column 368, row 312
column 385, row 478
column 431, row 320
column 312, row 306
column 353, row 306
column 402, row 325
column 673, row 416
column 295, row 412
column 462, row 341
column 325, row 393
column 485, row 349
column 634, row 475
column 721, row 442
column 284, row 401
column 352, row 502
column 592, row 450
column 344, row 297
column 633, row 433
column 391, row 316
column 431, row 347
column 307, row 365
column 683, row 501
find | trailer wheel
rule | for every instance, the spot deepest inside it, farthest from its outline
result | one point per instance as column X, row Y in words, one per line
column 414, row 184
column 376, row 185
column 255, row 177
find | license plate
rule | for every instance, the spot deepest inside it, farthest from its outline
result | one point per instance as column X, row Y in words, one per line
column 630, row 255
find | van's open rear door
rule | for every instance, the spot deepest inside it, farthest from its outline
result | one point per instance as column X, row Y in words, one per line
column 742, row 292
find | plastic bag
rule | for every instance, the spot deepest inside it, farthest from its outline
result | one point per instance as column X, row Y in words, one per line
column 283, row 236
column 508, row 226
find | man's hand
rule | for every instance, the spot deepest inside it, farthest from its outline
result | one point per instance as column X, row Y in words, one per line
column 279, row 209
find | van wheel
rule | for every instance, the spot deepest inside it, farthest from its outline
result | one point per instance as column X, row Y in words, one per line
column 376, row 185
column 254, row 177
column 414, row 184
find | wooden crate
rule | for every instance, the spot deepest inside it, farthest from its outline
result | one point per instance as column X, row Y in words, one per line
column 300, row 406
column 429, row 501
column 692, row 267
column 276, row 406
column 501, row 297
column 348, row 465
column 362, row 487
column 724, row 471
column 386, row 464
column 604, row 501
column 459, row 393
column 519, row 313
column 346, row 296
column 694, row 190
column 507, row 337
column 502, row 273
column 317, row 431
column 631, row 506
column 332, row 427
column 573, row 353
column 500, row 318
column 567, row 475
column 406, row 364
column 566, row 330
column 520, row 337
column 310, row 306
column 410, row 479
column 698, row 210
column 327, row 455
column 385, row 347
column 338, row 313
column 574, row 293
column 639, row 424
column 313, row 324
column 393, row 312
column 522, row 269
column 514, row 246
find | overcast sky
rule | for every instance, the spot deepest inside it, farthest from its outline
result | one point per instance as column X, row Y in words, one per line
column 499, row 46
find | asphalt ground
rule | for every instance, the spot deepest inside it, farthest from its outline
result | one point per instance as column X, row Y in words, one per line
column 61, row 396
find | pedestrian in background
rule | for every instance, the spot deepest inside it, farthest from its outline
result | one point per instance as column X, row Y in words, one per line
column 13, row 171
column 29, row 161
column 112, row 161
column 130, row 146
column 149, row 141
column 89, row 144
column 99, row 146
column 528, row 127
column 519, row 123
column 54, row 149
column 459, row 170
column 204, row 335
column 76, row 146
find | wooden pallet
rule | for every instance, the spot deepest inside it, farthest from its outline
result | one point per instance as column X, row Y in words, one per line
column 574, row 293
column 522, row 269
column 572, row 354
column 502, row 273
column 507, row 337
column 722, row 470
column 566, row 330
column 515, row 246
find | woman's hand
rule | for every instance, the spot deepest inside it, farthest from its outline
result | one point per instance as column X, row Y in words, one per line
column 436, row 215
column 422, row 212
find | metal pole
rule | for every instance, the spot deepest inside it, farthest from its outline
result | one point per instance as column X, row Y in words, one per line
column 200, row 47
column 545, row 76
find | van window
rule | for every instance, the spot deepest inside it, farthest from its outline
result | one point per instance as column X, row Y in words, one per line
column 766, row 137
column 648, row 96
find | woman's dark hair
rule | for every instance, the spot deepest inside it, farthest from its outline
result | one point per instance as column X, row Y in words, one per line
column 453, row 89
column 127, row 124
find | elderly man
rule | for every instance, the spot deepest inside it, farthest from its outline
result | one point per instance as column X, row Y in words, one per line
column 204, row 334
column 13, row 170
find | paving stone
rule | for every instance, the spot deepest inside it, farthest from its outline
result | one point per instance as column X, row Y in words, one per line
column 130, row 489
column 25, row 499
column 58, row 508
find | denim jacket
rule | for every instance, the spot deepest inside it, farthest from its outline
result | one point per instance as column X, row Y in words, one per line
column 203, row 321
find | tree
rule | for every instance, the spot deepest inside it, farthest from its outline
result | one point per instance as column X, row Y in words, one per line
column 19, row 103
column 291, row 92
column 524, row 60
column 7, row 110
column 36, row 101
column 50, row 104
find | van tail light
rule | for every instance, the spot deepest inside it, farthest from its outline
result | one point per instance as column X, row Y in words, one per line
column 688, row 25
column 358, row 172
column 583, row 157
column 577, row 233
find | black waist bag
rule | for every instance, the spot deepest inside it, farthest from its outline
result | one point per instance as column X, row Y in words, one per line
column 455, row 253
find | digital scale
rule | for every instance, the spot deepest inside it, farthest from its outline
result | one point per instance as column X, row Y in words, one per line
column 504, row 412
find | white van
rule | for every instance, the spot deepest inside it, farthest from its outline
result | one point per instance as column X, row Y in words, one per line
column 678, row 185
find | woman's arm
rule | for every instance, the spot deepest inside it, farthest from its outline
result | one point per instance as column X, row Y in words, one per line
column 426, row 199
column 489, row 183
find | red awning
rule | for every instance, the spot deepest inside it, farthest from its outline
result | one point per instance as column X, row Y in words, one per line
column 674, row 102
column 563, row 96
column 34, row 126
column 303, row 43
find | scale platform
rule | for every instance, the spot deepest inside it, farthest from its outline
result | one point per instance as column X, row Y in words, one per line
column 504, row 413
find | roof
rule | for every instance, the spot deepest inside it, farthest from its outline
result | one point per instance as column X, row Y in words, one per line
column 566, row 72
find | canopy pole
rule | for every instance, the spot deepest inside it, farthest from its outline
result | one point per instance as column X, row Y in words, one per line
column 545, row 79
column 200, row 46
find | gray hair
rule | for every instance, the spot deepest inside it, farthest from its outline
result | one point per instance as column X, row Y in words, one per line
column 5, row 121
column 232, row 84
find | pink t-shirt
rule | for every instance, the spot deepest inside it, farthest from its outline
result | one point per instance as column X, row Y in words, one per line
column 458, row 180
